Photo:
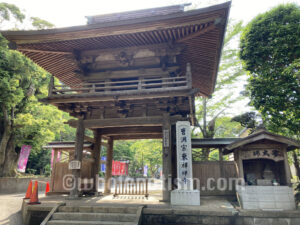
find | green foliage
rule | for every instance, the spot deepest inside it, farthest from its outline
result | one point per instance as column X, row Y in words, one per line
column 123, row 150
column 210, row 112
column 270, row 50
column 22, row 83
column 139, row 153
column 7, row 10
column 248, row 120
column 148, row 152
column 23, row 120
column 40, row 23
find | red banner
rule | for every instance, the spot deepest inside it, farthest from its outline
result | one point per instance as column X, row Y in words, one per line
column 119, row 168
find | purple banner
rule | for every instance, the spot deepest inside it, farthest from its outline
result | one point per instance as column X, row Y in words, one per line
column 23, row 159
column 145, row 170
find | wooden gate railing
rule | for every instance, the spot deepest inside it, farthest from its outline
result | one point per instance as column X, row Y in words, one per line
column 131, row 187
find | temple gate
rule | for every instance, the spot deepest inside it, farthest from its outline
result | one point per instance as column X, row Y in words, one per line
column 130, row 75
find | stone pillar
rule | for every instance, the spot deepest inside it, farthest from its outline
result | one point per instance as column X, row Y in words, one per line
column 108, row 173
column 96, row 156
column 167, row 158
column 77, row 157
column 185, row 194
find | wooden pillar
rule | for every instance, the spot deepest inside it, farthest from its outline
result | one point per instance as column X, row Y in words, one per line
column 108, row 173
column 239, row 163
column 96, row 157
column 53, row 169
column 287, row 168
column 167, row 157
column 78, row 156
column 221, row 162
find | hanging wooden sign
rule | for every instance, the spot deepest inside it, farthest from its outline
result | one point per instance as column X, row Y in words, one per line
column 273, row 154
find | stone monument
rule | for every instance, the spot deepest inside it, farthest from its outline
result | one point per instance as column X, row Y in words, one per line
column 185, row 194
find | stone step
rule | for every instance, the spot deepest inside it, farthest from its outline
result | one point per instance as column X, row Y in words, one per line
column 73, row 222
column 97, row 209
column 120, row 217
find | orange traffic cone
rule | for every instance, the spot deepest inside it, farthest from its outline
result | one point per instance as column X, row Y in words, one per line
column 29, row 190
column 34, row 198
column 47, row 188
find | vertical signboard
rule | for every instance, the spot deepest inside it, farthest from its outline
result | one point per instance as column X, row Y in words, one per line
column 166, row 138
column 184, row 155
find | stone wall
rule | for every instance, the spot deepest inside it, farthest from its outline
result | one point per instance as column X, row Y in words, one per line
column 11, row 185
column 198, row 217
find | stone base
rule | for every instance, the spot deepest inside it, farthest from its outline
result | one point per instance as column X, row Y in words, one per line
column 185, row 197
column 266, row 197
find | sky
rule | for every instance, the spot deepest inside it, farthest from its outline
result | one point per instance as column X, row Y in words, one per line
column 64, row 13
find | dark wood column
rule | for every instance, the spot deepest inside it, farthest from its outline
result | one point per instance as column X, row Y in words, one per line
column 221, row 162
column 108, row 173
column 96, row 157
column 78, row 156
column 167, row 157
column 287, row 168
column 53, row 169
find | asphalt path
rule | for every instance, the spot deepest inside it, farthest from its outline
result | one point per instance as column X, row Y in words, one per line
column 10, row 209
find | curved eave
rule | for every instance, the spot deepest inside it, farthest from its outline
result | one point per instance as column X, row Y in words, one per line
column 53, row 49
column 85, row 31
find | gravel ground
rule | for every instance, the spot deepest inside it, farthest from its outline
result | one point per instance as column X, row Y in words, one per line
column 10, row 209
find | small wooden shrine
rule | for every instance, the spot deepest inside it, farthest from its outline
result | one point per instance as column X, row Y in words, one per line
column 262, row 165
column 130, row 75
column 63, row 153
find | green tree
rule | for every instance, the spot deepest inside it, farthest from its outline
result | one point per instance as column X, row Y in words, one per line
column 210, row 111
column 23, row 120
column 148, row 152
column 270, row 50
column 9, row 11
column 40, row 23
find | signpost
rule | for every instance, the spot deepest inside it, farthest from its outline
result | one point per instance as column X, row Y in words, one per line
column 185, row 194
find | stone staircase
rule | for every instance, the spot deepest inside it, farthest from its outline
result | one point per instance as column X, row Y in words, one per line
column 93, row 215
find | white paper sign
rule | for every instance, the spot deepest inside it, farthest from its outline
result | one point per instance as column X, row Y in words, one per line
column 184, row 155
column 74, row 165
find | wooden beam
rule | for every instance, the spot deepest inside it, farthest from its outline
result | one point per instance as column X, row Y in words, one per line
column 137, row 136
column 123, row 122
column 131, row 130
column 44, row 51
column 101, row 97
column 137, row 51
column 92, row 140
column 94, row 76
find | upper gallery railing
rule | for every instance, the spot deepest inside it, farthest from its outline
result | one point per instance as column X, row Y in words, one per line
column 123, row 86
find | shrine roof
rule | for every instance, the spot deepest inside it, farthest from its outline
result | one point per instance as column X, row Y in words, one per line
column 212, row 142
column 263, row 134
column 201, row 31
